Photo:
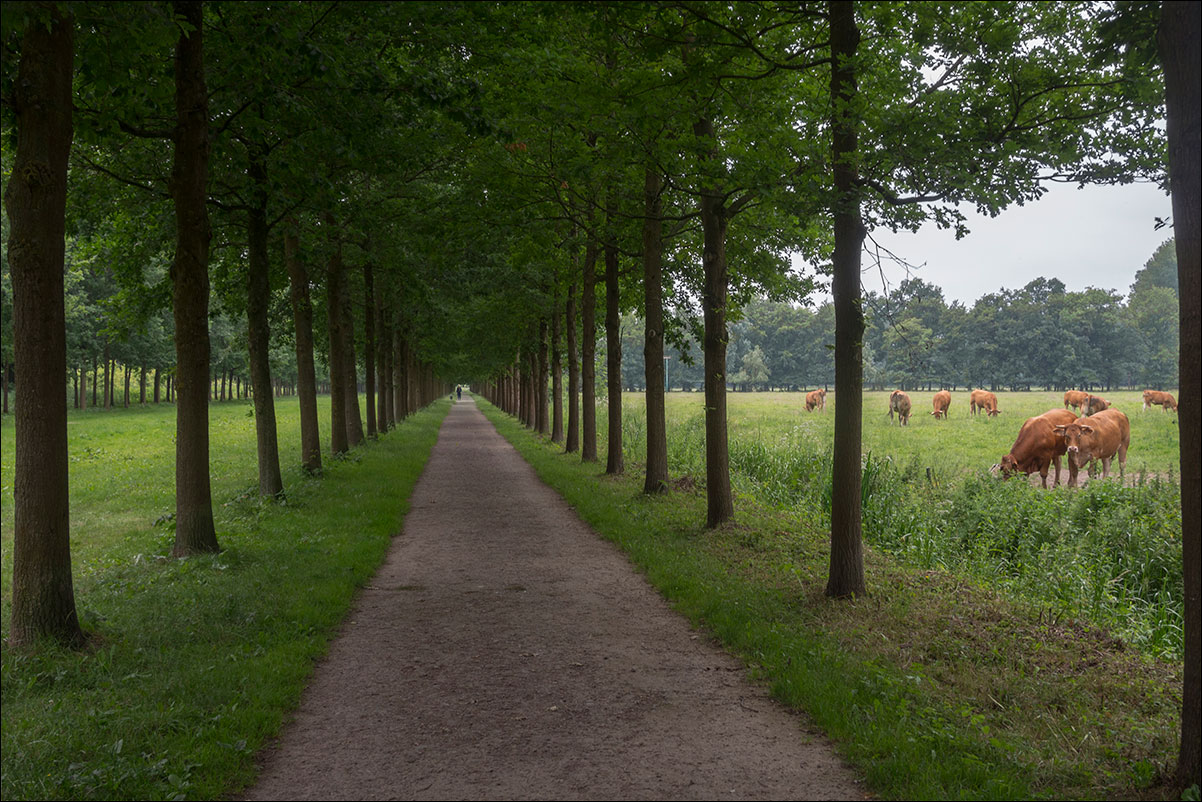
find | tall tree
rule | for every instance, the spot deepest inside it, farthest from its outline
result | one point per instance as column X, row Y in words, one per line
column 194, row 529
column 43, row 597
column 846, row 576
column 1180, row 41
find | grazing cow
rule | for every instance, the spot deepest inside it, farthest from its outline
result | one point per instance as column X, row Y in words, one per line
column 983, row 399
column 1038, row 445
column 899, row 402
column 1101, row 437
column 1164, row 400
column 1075, row 398
column 816, row 399
column 1094, row 404
column 941, row 401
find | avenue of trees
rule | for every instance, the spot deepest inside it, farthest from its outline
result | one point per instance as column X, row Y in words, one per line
column 392, row 195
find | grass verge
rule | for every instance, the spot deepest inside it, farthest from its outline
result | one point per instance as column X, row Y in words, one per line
column 934, row 686
column 194, row 663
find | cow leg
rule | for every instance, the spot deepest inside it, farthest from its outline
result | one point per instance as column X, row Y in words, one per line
column 1056, row 462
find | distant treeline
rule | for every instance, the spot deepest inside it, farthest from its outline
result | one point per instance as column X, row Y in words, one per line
column 1040, row 336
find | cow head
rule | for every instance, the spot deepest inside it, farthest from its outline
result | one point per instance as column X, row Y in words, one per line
column 1008, row 466
column 1076, row 440
column 993, row 413
column 938, row 413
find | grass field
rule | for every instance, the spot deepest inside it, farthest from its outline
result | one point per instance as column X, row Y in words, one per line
column 1106, row 553
column 951, row 447
column 193, row 663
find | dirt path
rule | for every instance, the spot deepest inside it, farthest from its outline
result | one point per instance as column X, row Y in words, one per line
column 504, row 650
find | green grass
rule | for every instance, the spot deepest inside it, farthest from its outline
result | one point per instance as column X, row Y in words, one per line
column 193, row 663
column 1107, row 553
column 937, row 684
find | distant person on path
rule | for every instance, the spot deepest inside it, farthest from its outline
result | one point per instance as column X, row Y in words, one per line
column 459, row 391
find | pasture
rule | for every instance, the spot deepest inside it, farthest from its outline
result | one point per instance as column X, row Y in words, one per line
column 1104, row 553
column 951, row 448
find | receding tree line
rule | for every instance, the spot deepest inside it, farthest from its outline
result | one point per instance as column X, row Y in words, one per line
column 480, row 191
column 1038, row 336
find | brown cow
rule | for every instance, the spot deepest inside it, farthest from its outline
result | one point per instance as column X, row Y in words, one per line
column 941, row 401
column 1105, row 434
column 899, row 402
column 1037, row 446
column 1094, row 404
column 1164, row 400
column 816, row 399
column 1075, row 398
column 983, row 399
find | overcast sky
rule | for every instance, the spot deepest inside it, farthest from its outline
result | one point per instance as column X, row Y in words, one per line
column 1094, row 237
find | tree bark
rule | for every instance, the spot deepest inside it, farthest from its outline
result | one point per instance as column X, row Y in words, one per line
column 108, row 376
column 653, row 338
column 43, row 595
column 400, row 394
column 572, row 443
column 556, row 375
column 1179, row 39
column 338, row 394
column 720, row 506
column 383, row 407
column 369, row 346
column 540, row 379
column 306, row 375
column 615, row 462
column 588, row 353
column 194, row 530
column 354, row 417
column 847, row 560
column 258, row 302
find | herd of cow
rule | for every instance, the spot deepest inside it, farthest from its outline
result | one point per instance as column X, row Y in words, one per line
column 1100, row 433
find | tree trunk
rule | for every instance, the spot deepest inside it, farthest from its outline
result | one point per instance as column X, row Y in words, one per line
column 95, row 376
column 383, row 374
column 556, row 376
column 847, row 559
column 194, row 531
column 399, row 409
column 588, row 352
column 572, row 443
column 720, row 507
column 614, row 459
column 125, row 398
column 43, row 596
column 156, row 385
column 338, row 393
column 354, row 417
column 306, row 376
column 653, row 339
column 540, row 379
column 1179, row 38
column 142, row 384
column 108, row 377
column 258, row 302
column 369, row 346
